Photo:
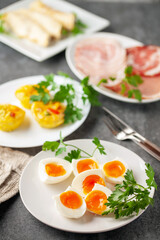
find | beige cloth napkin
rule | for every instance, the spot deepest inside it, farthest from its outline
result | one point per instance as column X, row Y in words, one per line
column 12, row 164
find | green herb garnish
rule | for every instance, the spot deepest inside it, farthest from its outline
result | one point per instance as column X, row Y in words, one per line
column 103, row 80
column 79, row 27
column 129, row 79
column 65, row 94
column 130, row 197
column 77, row 153
column 89, row 93
column 133, row 80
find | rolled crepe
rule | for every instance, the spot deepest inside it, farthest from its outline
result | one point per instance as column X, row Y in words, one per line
column 24, row 27
column 66, row 19
column 48, row 23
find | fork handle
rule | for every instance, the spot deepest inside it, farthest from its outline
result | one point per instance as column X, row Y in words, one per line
column 149, row 147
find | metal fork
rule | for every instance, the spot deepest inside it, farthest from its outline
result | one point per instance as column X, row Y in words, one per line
column 123, row 132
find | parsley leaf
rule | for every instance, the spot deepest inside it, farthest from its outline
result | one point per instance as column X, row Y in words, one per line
column 130, row 197
column 49, row 82
column 150, row 174
column 42, row 95
column 112, row 78
column 72, row 113
column 65, row 93
column 133, row 80
column 128, row 70
column 50, row 146
column 136, row 93
column 74, row 154
column 89, row 93
column 79, row 27
column 60, row 150
column 99, row 146
column 101, row 81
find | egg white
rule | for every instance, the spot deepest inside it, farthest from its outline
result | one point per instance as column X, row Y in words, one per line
column 75, row 162
column 114, row 180
column 68, row 212
column 78, row 180
column 44, row 177
column 103, row 189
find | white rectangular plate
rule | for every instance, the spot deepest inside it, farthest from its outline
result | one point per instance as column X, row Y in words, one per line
column 94, row 23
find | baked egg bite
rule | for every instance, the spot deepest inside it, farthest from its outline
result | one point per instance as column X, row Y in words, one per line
column 54, row 170
column 83, row 164
column 49, row 115
column 114, row 171
column 96, row 199
column 85, row 181
column 70, row 203
column 11, row 117
column 25, row 92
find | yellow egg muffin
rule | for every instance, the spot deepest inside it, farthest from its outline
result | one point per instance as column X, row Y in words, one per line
column 11, row 117
column 49, row 115
column 25, row 92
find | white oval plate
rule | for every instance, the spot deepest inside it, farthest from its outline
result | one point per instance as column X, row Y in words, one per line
column 38, row 197
column 126, row 43
column 30, row 134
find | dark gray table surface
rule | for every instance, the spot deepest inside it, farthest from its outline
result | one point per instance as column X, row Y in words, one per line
column 136, row 20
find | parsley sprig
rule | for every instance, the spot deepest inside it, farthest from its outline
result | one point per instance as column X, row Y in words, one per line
column 133, row 80
column 60, row 147
column 65, row 94
column 130, row 197
column 129, row 79
column 89, row 93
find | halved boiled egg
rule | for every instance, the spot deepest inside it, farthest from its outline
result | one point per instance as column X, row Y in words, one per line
column 114, row 171
column 96, row 199
column 54, row 170
column 70, row 203
column 84, row 164
column 85, row 181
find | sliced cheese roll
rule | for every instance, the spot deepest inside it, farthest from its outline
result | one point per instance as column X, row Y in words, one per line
column 53, row 27
column 25, row 27
column 66, row 19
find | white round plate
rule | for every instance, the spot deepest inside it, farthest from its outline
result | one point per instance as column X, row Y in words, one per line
column 126, row 42
column 30, row 134
column 38, row 197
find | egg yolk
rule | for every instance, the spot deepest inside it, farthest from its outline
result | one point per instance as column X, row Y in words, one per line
column 114, row 169
column 54, row 170
column 86, row 164
column 90, row 181
column 95, row 201
column 71, row 199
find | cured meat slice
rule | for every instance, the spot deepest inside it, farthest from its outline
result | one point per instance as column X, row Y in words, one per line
column 150, row 88
column 145, row 60
column 101, row 58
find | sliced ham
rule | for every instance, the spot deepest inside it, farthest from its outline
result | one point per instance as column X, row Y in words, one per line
column 101, row 58
column 145, row 60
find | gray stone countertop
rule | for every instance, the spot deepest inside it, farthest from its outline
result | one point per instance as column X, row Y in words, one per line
column 136, row 20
